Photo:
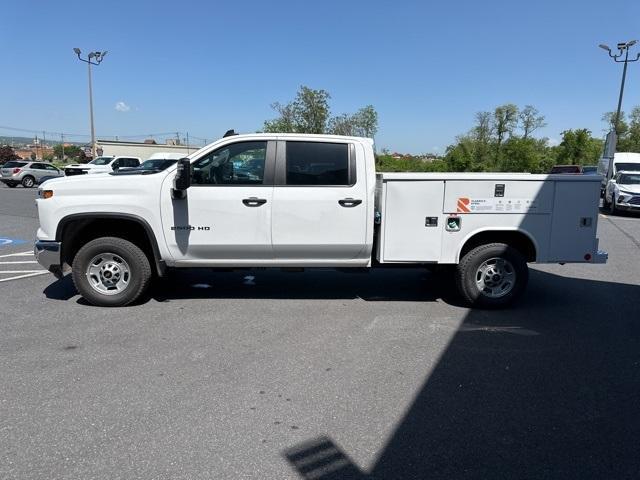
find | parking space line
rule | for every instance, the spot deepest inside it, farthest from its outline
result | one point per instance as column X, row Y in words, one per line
column 20, row 271
column 21, row 254
column 23, row 276
column 19, row 262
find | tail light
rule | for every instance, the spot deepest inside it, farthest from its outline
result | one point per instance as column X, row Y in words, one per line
column 16, row 170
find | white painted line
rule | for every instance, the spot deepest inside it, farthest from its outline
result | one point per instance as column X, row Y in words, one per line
column 16, row 263
column 22, row 276
column 20, row 271
column 21, row 254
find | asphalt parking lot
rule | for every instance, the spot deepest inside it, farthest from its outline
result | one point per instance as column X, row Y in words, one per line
column 319, row 375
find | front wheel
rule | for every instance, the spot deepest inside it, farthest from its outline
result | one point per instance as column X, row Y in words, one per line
column 612, row 206
column 492, row 275
column 111, row 272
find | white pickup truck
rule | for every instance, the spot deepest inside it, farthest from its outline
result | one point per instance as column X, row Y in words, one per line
column 291, row 200
column 101, row 165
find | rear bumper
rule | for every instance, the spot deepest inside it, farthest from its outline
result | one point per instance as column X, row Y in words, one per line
column 48, row 255
column 9, row 180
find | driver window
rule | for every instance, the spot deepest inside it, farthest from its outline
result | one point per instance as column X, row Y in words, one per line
column 239, row 163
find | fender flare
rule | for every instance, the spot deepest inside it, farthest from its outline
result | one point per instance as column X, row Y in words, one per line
column 151, row 236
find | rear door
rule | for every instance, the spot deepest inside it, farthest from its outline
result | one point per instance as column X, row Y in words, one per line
column 319, row 202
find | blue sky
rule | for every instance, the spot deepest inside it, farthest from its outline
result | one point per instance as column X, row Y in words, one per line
column 205, row 67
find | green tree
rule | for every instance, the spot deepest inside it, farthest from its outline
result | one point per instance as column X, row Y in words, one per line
column 363, row 123
column 505, row 121
column 578, row 147
column 610, row 119
column 530, row 120
column 70, row 152
column 630, row 141
column 307, row 113
column 7, row 154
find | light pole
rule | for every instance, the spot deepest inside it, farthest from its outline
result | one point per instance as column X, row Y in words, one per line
column 623, row 49
column 97, row 60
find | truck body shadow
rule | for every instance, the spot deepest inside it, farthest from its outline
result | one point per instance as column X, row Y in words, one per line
column 547, row 390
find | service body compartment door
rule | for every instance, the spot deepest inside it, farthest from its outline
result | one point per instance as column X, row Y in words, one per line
column 413, row 221
column 575, row 220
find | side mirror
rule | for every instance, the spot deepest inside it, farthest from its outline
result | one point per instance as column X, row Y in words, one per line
column 182, row 180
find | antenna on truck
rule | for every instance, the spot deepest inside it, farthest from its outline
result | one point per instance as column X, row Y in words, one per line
column 229, row 133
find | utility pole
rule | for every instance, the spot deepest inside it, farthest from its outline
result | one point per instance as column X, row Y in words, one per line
column 62, row 143
column 188, row 150
column 98, row 56
column 44, row 143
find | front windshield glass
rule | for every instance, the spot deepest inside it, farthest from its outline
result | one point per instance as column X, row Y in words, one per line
column 158, row 164
column 632, row 167
column 628, row 179
column 101, row 161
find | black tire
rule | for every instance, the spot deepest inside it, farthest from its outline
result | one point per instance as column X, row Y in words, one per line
column 28, row 181
column 133, row 256
column 469, row 268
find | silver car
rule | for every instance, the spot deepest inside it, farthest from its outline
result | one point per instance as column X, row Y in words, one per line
column 27, row 173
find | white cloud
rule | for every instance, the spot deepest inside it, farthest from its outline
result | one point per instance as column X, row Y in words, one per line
column 122, row 107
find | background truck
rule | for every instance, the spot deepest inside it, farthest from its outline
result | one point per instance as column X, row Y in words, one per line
column 101, row 165
column 290, row 200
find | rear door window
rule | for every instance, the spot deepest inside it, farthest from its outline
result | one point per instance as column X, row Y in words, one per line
column 317, row 163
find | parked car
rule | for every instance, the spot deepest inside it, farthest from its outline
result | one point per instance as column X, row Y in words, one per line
column 311, row 201
column 590, row 170
column 620, row 161
column 623, row 192
column 571, row 169
column 28, row 174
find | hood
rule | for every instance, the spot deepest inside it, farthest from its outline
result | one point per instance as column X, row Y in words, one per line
column 630, row 188
column 85, row 166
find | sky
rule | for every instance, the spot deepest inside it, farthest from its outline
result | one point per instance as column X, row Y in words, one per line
column 204, row 67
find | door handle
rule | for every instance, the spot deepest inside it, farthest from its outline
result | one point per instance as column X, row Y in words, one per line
column 254, row 201
column 349, row 202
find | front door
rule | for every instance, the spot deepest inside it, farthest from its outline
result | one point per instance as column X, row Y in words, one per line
column 226, row 215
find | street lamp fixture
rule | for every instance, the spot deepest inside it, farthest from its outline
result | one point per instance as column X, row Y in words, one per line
column 93, row 58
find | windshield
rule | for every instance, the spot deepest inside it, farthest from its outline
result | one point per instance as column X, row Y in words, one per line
column 629, row 179
column 158, row 164
column 101, row 161
column 632, row 167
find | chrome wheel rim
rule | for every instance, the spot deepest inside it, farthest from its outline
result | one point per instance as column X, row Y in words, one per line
column 108, row 273
column 28, row 182
column 496, row 277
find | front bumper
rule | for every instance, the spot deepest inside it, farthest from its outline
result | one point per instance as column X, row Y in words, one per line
column 48, row 255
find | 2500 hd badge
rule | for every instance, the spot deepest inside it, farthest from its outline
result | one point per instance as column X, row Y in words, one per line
column 189, row 227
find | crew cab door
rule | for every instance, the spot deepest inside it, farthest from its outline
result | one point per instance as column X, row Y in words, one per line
column 226, row 215
column 319, row 202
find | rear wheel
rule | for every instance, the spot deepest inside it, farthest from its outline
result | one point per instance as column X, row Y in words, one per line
column 28, row 181
column 111, row 272
column 492, row 275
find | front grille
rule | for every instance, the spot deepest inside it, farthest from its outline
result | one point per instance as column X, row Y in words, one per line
column 74, row 171
column 634, row 201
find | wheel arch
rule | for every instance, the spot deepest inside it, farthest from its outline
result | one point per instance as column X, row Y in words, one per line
column 517, row 238
column 78, row 228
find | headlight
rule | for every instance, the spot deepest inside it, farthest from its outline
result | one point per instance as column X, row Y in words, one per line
column 624, row 192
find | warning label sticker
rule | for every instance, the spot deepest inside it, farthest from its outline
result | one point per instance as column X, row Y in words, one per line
column 491, row 205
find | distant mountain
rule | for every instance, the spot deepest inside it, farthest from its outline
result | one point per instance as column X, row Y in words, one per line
column 20, row 141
